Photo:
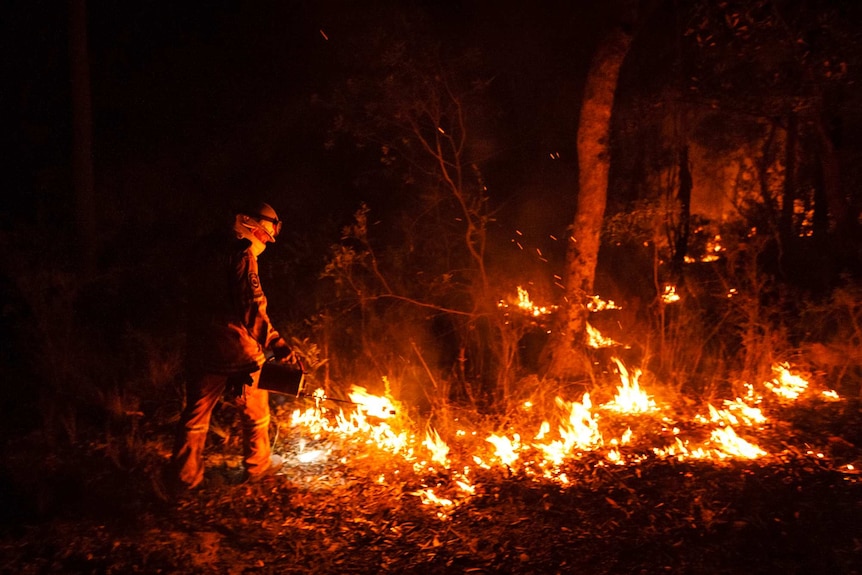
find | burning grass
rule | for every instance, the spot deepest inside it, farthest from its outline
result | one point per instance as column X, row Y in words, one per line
column 627, row 484
column 630, row 428
column 613, row 481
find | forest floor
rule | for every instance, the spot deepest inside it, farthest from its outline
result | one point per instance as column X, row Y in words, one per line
column 100, row 507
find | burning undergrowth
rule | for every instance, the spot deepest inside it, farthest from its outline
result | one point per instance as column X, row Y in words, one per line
column 614, row 481
column 630, row 428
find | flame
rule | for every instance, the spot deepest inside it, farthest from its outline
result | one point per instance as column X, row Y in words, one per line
column 713, row 248
column 571, row 429
column 723, row 443
column 357, row 423
column 627, row 437
column 526, row 304
column 465, row 487
column 579, row 430
column 596, row 340
column 730, row 444
column 630, row 397
column 438, row 448
column 373, row 405
column 786, row 385
column 737, row 412
column 507, row 449
column 596, row 303
column 428, row 497
column 311, row 456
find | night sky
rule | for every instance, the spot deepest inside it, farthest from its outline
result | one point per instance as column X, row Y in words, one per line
column 194, row 104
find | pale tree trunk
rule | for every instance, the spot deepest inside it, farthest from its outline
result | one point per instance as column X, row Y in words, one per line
column 593, row 166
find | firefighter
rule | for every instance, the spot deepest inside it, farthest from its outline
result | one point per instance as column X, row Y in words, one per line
column 228, row 335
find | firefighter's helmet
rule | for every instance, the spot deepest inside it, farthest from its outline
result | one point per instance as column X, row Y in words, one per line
column 259, row 224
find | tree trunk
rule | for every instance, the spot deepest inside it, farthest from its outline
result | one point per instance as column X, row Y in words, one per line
column 789, row 192
column 686, row 184
column 593, row 166
column 82, row 144
column 837, row 204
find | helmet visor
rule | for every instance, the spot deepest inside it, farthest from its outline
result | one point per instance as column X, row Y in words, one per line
column 271, row 226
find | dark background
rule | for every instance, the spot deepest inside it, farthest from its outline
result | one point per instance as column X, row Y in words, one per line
column 194, row 104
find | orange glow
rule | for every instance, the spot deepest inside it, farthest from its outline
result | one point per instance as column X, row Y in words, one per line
column 718, row 431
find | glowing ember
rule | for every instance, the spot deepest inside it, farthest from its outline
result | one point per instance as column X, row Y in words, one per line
column 713, row 248
column 428, row 497
column 311, row 456
column 669, row 295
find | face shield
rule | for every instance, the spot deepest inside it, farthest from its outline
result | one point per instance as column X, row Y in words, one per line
column 263, row 222
column 271, row 226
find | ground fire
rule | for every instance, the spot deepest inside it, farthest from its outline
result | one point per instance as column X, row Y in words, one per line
column 629, row 428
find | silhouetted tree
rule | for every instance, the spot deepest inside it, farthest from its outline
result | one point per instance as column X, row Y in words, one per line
column 82, row 144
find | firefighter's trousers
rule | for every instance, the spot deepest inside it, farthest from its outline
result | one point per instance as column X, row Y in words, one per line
column 203, row 391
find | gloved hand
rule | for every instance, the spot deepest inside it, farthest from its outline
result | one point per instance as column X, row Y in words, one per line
column 236, row 385
column 280, row 349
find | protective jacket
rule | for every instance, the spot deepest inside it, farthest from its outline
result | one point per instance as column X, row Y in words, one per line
column 228, row 324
